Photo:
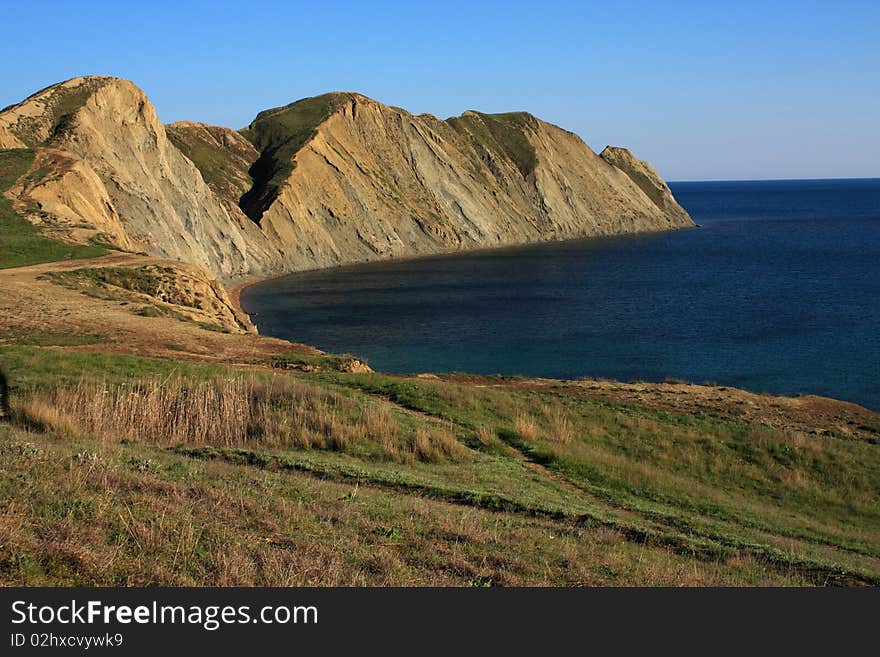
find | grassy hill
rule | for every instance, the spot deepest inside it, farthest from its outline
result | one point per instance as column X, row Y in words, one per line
column 139, row 470
column 502, row 134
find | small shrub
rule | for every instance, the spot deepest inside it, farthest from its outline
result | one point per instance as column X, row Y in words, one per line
column 25, row 450
column 379, row 424
column 485, row 436
column 339, row 440
column 422, row 447
column 436, row 445
column 526, row 427
column 87, row 457
column 561, row 430
column 149, row 311
column 144, row 466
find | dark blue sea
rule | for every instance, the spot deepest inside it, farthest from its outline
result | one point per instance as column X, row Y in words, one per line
column 777, row 291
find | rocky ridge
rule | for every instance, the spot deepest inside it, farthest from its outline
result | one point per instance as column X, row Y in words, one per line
column 329, row 180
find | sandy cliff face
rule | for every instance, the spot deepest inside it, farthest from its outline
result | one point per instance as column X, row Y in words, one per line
column 646, row 178
column 333, row 179
column 107, row 165
column 366, row 181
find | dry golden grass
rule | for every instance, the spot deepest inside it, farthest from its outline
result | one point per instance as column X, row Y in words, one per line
column 224, row 413
column 42, row 413
column 436, row 445
column 485, row 436
column 233, row 412
column 380, row 427
column 526, row 427
column 561, row 429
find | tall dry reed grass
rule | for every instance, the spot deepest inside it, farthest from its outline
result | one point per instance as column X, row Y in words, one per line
column 233, row 412
column 560, row 428
column 526, row 427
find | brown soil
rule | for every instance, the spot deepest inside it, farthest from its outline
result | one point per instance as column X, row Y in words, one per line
column 32, row 305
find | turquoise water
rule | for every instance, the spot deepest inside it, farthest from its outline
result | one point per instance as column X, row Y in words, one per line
column 777, row 291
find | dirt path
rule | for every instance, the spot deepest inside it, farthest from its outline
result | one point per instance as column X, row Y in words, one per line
column 32, row 306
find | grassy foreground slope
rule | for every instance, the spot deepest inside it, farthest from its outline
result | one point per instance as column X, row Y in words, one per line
column 112, row 508
column 122, row 469
column 143, row 448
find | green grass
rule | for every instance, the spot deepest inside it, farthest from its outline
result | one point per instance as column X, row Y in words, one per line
column 223, row 168
column 650, row 188
column 77, row 513
column 715, row 492
column 66, row 103
column 279, row 134
column 35, row 368
column 502, row 134
column 21, row 243
column 726, row 481
column 16, row 336
column 645, row 184
column 306, row 361
column 60, row 104
column 146, row 280
column 213, row 163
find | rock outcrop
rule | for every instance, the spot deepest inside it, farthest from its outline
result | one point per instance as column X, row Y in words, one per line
column 333, row 179
column 646, row 177
column 104, row 162
column 179, row 290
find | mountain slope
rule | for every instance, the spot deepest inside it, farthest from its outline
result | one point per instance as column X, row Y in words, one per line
column 328, row 180
column 223, row 156
column 643, row 175
column 343, row 177
column 106, row 167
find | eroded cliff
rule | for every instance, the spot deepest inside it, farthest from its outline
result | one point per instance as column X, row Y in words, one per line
column 104, row 167
column 328, row 180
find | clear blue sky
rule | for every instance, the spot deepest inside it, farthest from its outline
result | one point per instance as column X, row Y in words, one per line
column 704, row 90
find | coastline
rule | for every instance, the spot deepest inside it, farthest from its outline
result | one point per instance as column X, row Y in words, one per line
column 234, row 290
column 236, row 287
column 466, row 262
column 707, row 433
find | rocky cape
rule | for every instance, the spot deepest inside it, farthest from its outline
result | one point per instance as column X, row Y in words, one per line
column 324, row 181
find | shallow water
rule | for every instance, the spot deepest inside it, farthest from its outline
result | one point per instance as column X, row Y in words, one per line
column 778, row 291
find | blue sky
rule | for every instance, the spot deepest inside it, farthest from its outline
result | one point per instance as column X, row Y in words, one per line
column 703, row 90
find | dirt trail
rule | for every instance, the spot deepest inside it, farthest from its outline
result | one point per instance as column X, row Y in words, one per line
column 32, row 306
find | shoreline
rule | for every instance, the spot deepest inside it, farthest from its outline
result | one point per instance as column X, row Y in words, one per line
column 348, row 275
column 235, row 288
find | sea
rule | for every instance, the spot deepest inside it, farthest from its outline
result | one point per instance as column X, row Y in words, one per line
column 777, row 291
